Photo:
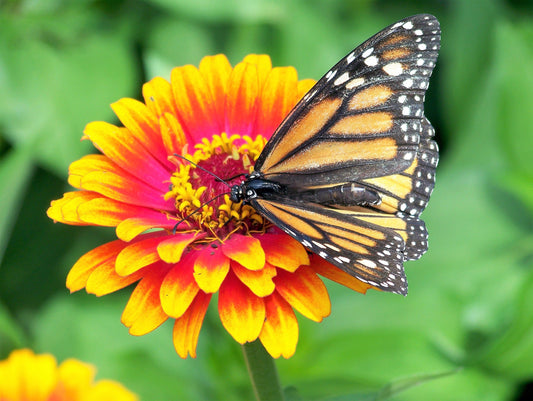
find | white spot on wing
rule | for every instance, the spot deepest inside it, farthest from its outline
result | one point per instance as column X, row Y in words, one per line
column 367, row 263
column 371, row 61
column 342, row 79
column 393, row 69
column 320, row 245
column 407, row 83
column 367, row 52
column 330, row 74
column 355, row 83
column 333, row 247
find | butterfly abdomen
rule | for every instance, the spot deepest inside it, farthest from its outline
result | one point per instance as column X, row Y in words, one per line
column 348, row 194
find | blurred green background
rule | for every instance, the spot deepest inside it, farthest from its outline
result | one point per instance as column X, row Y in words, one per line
column 470, row 304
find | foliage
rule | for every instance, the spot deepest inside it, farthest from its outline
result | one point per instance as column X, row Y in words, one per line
column 465, row 330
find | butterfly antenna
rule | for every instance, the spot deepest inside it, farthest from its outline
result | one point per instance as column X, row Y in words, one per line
column 235, row 176
column 207, row 171
column 196, row 211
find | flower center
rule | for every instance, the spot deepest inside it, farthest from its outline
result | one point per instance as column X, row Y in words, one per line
column 202, row 182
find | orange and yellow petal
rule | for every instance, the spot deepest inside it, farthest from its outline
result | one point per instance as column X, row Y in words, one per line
column 143, row 312
column 76, row 378
column 216, row 71
column 107, row 390
column 194, row 102
column 210, row 269
column 65, row 210
column 107, row 212
column 131, row 227
column 278, row 97
column 87, row 164
column 85, row 207
column 241, row 312
column 125, row 188
column 258, row 281
column 279, row 335
column 171, row 248
column 172, row 134
column 283, row 251
column 241, row 102
column 263, row 65
column 105, row 280
column 245, row 250
column 102, row 256
column 138, row 254
column 127, row 152
column 25, row 376
column 187, row 327
column 20, row 380
column 305, row 292
column 179, row 288
column 143, row 125
column 158, row 97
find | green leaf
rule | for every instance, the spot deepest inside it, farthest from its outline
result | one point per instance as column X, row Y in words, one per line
column 467, row 44
column 519, row 184
column 16, row 169
column 511, row 354
column 314, row 51
column 11, row 334
column 75, row 83
column 401, row 385
column 88, row 328
column 476, row 144
column 250, row 11
column 352, row 358
column 390, row 390
column 514, row 62
column 174, row 43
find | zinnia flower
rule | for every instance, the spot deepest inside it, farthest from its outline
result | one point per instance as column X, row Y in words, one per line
column 25, row 376
column 180, row 236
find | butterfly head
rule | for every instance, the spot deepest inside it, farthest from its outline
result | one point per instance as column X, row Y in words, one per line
column 237, row 193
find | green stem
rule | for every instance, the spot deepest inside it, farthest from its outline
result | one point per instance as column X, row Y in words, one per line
column 263, row 372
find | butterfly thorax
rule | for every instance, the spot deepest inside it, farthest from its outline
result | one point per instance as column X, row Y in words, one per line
column 255, row 186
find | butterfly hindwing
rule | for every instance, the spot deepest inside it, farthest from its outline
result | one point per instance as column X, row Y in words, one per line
column 408, row 191
column 363, row 118
column 367, row 245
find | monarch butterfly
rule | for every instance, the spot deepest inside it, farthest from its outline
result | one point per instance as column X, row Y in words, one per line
column 350, row 169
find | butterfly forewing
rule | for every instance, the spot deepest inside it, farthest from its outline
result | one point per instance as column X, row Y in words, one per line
column 366, row 110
